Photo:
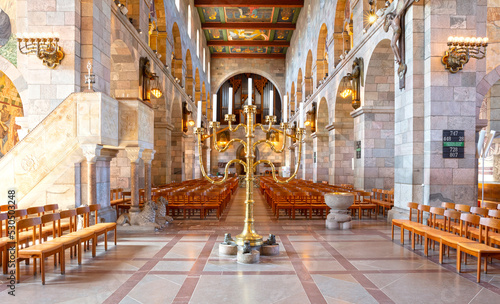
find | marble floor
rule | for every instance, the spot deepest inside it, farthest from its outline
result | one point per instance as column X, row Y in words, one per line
column 181, row 265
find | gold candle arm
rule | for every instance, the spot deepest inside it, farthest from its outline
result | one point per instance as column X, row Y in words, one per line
column 271, row 145
column 230, row 118
column 300, row 132
column 226, row 146
column 199, row 132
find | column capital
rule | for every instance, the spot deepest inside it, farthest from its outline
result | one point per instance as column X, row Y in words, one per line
column 148, row 155
column 134, row 153
column 91, row 152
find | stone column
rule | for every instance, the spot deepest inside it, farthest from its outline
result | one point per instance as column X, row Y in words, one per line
column 134, row 154
column 91, row 152
column 147, row 157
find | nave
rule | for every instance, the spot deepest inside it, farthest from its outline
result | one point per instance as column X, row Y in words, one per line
column 181, row 264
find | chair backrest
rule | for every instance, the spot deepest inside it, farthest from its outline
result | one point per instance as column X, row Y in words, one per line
column 435, row 211
column 51, row 207
column 468, row 220
column 494, row 213
column 94, row 208
column 449, row 215
column 4, row 208
column 462, row 207
column 421, row 209
column 447, row 205
column 487, row 223
column 51, row 217
column 3, row 217
column 26, row 224
column 84, row 211
column 489, row 205
column 479, row 211
column 412, row 206
column 71, row 214
column 35, row 210
column 19, row 213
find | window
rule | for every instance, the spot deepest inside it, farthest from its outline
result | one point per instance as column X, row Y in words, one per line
column 177, row 4
column 189, row 21
column 198, row 43
column 204, row 55
column 208, row 73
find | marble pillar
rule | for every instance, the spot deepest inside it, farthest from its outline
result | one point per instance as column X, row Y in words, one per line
column 91, row 153
column 134, row 154
column 147, row 157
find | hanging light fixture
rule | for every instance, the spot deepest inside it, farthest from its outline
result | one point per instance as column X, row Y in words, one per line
column 345, row 87
column 155, row 86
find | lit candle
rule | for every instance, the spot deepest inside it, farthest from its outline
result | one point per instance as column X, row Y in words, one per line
column 450, row 39
column 301, row 115
column 198, row 118
column 485, row 40
column 271, row 102
column 249, row 91
column 285, row 111
column 214, row 101
column 230, row 100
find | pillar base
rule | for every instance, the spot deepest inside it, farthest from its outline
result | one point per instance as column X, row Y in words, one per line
column 107, row 214
column 398, row 213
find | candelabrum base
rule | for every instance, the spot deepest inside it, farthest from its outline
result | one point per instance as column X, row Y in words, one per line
column 253, row 238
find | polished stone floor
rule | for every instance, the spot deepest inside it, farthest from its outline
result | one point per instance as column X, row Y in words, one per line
column 181, row 265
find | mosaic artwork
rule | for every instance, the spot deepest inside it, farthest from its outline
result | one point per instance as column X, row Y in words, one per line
column 286, row 14
column 215, row 34
column 248, row 34
column 281, row 35
column 211, row 14
column 10, row 108
column 247, row 50
column 249, row 14
column 219, row 49
column 276, row 50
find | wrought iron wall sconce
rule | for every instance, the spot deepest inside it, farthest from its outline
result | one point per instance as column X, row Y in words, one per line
column 352, row 82
column 155, row 86
column 150, row 81
column 44, row 45
column 461, row 50
column 311, row 118
column 185, row 117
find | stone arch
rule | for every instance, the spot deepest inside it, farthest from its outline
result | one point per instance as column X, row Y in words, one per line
column 291, row 108
column 189, row 74
column 322, row 55
column 374, row 124
column 308, row 79
column 342, row 30
column 11, row 110
column 124, row 75
column 298, row 95
column 484, row 86
column 197, row 86
column 216, row 84
column 177, row 54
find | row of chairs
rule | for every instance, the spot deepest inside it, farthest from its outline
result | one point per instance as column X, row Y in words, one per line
column 34, row 229
column 469, row 230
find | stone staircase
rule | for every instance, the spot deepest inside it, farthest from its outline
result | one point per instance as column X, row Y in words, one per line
column 44, row 167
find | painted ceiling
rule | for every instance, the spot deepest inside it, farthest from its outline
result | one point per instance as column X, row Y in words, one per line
column 252, row 28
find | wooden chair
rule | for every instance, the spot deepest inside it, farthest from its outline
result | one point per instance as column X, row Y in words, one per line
column 447, row 205
column 400, row 222
column 494, row 214
column 479, row 211
column 452, row 240
column 480, row 249
column 418, row 228
column 489, row 205
column 5, row 243
column 101, row 228
column 462, row 208
column 36, row 251
column 85, row 235
column 68, row 241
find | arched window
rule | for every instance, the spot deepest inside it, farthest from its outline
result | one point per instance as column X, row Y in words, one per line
column 189, row 21
column 204, row 56
column 209, row 72
column 177, row 4
column 198, row 43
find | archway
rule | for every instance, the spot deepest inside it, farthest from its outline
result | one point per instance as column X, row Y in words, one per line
column 308, row 80
column 177, row 54
column 322, row 55
column 189, row 74
column 124, row 75
column 321, row 149
column 343, row 30
column 374, row 125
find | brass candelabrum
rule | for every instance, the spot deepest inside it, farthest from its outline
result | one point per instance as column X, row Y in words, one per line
column 248, row 233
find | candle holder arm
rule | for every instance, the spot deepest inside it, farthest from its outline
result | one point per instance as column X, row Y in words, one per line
column 226, row 146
